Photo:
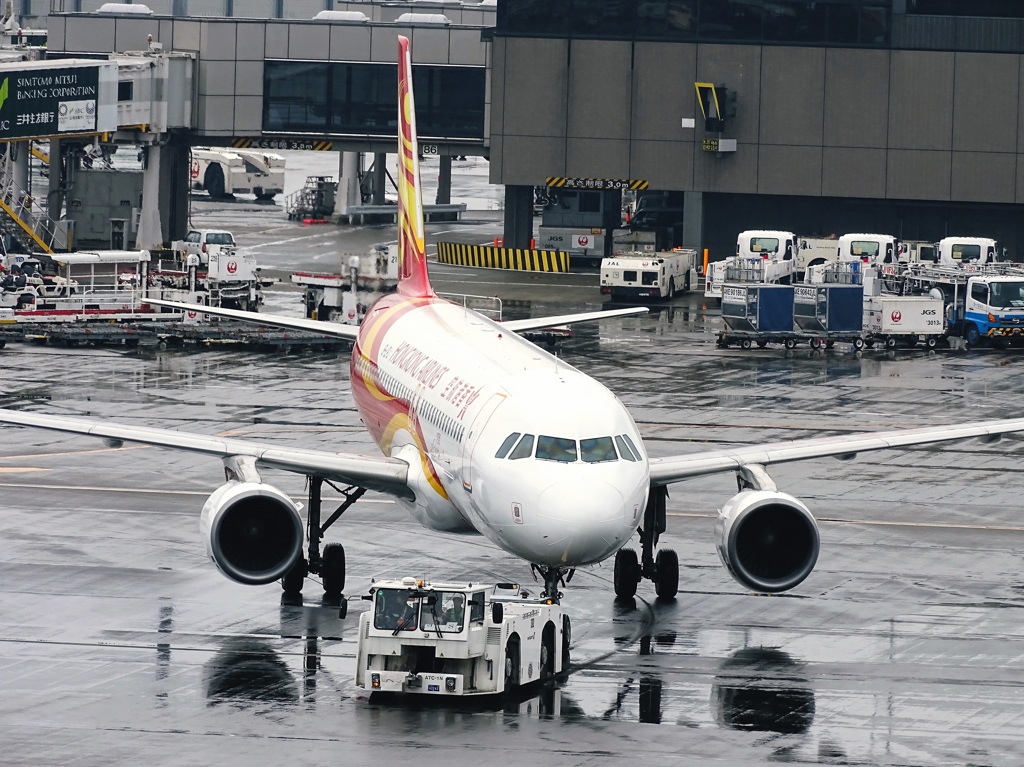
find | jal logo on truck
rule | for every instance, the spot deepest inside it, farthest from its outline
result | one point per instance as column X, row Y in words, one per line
column 232, row 267
column 896, row 316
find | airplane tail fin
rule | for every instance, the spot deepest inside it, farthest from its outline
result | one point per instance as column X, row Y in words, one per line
column 412, row 258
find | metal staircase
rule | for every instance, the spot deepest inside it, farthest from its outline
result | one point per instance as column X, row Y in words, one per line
column 23, row 218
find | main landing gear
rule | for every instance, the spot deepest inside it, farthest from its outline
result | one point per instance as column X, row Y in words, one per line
column 330, row 565
column 662, row 569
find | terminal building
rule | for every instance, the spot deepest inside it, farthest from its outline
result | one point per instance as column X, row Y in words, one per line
column 893, row 116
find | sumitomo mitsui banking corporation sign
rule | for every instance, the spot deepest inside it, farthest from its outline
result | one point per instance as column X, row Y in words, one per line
column 40, row 99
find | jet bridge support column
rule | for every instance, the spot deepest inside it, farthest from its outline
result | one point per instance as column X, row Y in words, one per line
column 380, row 167
column 518, row 216
column 444, row 180
column 349, row 166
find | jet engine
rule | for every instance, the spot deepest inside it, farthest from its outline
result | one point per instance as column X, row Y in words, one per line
column 253, row 532
column 768, row 540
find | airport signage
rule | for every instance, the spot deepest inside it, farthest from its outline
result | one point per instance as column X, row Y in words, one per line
column 50, row 101
column 596, row 183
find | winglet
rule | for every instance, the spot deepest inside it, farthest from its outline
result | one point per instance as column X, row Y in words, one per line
column 412, row 258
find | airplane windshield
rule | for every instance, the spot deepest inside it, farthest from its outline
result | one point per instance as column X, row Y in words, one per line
column 524, row 449
column 598, row 449
column 556, row 449
column 510, row 440
column 396, row 609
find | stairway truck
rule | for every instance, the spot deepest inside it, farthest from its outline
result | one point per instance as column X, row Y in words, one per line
column 649, row 275
column 458, row 639
column 903, row 320
column 762, row 256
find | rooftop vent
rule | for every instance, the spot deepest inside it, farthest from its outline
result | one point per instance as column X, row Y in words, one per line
column 423, row 18
column 136, row 9
column 341, row 16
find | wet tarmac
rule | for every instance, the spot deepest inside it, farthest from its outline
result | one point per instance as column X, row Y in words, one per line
column 120, row 643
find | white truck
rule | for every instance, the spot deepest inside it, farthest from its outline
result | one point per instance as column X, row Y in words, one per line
column 345, row 297
column 814, row 252
column 762, row 256
column 903, row 320
column 649, row 275
column 457, row 639
column 222, row 172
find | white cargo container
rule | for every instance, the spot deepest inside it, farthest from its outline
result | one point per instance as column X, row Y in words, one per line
column 893, row 320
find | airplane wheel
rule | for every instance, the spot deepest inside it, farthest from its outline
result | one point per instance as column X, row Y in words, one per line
column 512, row 663
column 294, row 578
column 333, row 569
column 666, row 582
column 627, row 573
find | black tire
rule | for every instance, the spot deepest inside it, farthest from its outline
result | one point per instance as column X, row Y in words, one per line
column 294, row 578
column 745, row 343
column 761, row 344
column 870, row 343
column 666, row 582
column 686, row 283
column 790, row 343
column 566, row 652
column 817, row 343
column 829, row 344
column 547, row 653
column 671, row 286
column 3, row 343
column 858, row 343
column 512, row 662
column 971, row 335
column 890, row 342
column 213, row 181
column 627, row 573
column 333, row 569
column 931, row 341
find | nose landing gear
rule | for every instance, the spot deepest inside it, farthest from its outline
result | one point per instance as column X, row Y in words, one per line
column 662, row 569
column 553, row 577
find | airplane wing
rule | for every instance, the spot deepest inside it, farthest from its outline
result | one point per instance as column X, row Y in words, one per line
column 387, row 475
column 535, row 323
column 665, row 471
column 333, row 329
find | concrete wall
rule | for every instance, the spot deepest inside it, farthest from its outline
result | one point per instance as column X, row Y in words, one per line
column 820, row 122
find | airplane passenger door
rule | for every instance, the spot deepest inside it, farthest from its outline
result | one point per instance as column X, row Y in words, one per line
column 473, row 436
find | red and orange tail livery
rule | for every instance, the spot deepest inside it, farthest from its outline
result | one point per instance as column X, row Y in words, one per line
column 412, row 259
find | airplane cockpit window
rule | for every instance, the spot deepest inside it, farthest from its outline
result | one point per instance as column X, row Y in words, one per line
column 624, row 450
column 396, row 609
column 597, row 450
column 524, row 449
column 510, row 440
column 556, row 449
column 632, row 447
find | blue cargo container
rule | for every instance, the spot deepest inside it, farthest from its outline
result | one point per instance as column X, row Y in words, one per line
column 829, row 308
column 759, row 308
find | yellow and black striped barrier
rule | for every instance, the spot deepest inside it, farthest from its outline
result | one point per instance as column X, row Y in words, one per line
column 522, row 259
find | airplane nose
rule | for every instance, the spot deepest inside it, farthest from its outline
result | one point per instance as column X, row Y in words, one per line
column 583, row 523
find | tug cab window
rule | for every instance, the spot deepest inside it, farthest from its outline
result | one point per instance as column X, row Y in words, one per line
column 396, row 609
column 447, row 613
column 648, row 278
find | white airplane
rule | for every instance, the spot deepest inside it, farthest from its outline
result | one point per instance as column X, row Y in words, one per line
column 483, row 431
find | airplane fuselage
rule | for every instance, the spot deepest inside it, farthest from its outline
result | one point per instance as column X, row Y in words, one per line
column 502, row 437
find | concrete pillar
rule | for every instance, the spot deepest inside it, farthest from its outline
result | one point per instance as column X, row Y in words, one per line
column 151, row 231
column 518, row 216
column 349, row 165
column 18, row 157
column 693, row 222
column 174, row 189
column 444, row 180
column 380, row 176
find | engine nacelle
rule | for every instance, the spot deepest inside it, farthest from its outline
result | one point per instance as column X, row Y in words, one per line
column 768, row 540
column 253, row 532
